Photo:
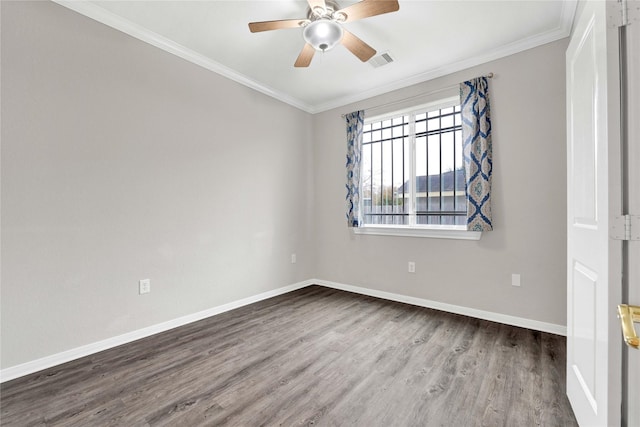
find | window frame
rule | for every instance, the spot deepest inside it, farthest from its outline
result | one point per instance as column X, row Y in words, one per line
column 448, row 231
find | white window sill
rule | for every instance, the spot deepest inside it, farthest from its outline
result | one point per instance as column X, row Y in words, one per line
column 430, row 231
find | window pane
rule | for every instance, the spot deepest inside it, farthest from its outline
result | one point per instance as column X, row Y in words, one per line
column 366, row 164
column 447, row 121
column 421, row 196
column 398, row 174
column 434, row 154
column 434, row 124
column 407, row 174
column 366, row 181
column 421, row 156
column 375, row 175
column 447, row 200
column 434, row 202
column 447, row 152
column 387, row 188
column 458, row 138
column 397, row 131
column 438, row 184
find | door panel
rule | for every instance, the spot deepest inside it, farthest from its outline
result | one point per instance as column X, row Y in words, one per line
column 593, row 289
column 583, row 184
column 585, row 285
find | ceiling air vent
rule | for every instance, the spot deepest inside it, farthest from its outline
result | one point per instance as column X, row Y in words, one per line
column 380, row 60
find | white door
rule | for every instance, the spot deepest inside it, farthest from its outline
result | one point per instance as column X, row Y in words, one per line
column 633, row 204
column 594, row 353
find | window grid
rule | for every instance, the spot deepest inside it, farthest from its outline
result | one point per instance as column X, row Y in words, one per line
column 386, row 196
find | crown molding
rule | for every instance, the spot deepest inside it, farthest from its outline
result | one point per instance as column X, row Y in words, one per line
column 560, row 32
column 112, row 20
column 117, row 22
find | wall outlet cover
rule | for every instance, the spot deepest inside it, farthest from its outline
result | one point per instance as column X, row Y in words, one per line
column 515, row 280
column 144, row 286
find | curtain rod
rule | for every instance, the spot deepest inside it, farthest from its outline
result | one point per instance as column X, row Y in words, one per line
column 489, row 76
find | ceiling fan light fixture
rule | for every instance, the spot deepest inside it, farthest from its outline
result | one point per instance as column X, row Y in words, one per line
column 323, row 34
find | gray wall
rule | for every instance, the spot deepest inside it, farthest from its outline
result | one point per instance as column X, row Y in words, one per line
column 529, row 203
column 122, row 162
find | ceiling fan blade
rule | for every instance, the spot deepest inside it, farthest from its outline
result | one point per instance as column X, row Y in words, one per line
column 356, row 46
column 367, row 8
column 304, row 59
column 256, row 27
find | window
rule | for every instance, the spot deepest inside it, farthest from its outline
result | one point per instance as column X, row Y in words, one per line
column 412, row 169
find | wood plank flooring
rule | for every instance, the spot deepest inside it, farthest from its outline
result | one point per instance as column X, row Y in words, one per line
column 316, row 356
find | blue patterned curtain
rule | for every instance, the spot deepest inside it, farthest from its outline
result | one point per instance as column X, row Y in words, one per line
column 355, row 123
column 476, row 139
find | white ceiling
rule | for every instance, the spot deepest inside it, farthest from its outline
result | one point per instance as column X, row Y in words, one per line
column 427, row 39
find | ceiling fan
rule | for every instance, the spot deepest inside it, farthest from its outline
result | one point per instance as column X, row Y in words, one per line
column 323, row 29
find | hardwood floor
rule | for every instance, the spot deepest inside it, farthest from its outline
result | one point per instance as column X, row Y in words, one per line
column 316, row 356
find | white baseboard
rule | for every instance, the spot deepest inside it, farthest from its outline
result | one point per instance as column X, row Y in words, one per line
column 466, row 311
column 86, row 350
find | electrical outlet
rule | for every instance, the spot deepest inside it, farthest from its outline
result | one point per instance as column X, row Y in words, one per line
column 515, row 280
column 144, row 286
column 293, row 258
column 411, row 268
